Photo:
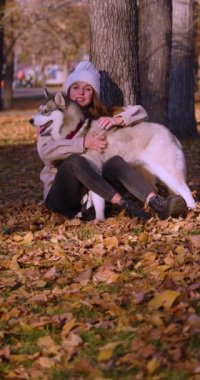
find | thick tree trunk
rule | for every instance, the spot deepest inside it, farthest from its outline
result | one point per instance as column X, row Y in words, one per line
column 113, row 26
column 2, row 8
column 155, row 28
column 181, row 95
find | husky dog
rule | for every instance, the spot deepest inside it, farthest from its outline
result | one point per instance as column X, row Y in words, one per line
column 148, row 145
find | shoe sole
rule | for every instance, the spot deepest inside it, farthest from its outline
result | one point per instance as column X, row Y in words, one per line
column 177, row 207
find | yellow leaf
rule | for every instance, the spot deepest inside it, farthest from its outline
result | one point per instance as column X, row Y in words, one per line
column 14, row 263
column 164, row 299
column 156, row 319
column 180, row 259
column 111, row 242
column 18, row 358
column 149, row 256
column 163, row 268
column 180, row 249
column 143, row 237
column 153, row 365
column 68, row 326
column 106, row 352
column 17, row 238
column 28, row 238
column 26, row 327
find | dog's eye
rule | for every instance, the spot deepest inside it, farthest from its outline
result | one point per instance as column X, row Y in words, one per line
column 45, row 111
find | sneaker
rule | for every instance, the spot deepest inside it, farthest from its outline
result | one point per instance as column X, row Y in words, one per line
column 173, row 206
column 88, row 214
column 133, row 211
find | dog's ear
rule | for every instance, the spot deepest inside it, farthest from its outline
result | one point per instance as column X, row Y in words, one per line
column 46, row 93
column 59, row 100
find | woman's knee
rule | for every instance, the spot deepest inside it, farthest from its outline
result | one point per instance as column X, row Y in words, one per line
column 113, row 163
column 74, row 160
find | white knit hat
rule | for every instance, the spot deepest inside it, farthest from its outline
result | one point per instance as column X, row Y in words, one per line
column 86, row 72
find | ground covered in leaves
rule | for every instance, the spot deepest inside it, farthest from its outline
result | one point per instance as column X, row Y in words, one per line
column 117, row 299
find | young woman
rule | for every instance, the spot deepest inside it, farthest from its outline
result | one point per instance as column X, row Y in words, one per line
column 65, row 185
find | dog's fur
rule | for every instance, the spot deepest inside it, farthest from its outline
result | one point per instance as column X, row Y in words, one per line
column 149, row 145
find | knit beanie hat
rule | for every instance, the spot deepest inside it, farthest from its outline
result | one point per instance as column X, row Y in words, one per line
column 86, row 72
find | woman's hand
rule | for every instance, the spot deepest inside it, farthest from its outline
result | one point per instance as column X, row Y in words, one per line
column 95, row 141
column 107, row 122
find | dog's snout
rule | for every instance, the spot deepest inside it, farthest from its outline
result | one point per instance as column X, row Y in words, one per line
column 31, row 121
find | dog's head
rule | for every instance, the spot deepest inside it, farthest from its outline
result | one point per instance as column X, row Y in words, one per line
column 51, row 113
column 58, row 115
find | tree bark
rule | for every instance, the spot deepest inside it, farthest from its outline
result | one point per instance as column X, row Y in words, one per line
column 113, row 27
column 8, row 81
column 2, row 8
column 9, row 53
column 155, row 30
column 181, row 94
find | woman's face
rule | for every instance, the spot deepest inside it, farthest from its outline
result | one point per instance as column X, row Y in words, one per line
column 82, row 93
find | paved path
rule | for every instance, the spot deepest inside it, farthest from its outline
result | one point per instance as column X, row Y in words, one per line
column 24, row 98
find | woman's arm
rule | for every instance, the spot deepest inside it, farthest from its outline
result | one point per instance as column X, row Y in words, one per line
column 130, row 115
column 51, row 150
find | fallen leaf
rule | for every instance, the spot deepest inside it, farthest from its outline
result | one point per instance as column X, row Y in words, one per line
column 50, row 274
column 153, row 365
column 48, row 345
column 67, row 327
column 28, row 238
column 106, row 352
column 149, row 256
column 164, row 299
column 195, row 240
column 46, row 362
column 143, row 238
column 105, row 274
column 194, row 320
column 84, row 276
column 111, row 242
column 5, row 352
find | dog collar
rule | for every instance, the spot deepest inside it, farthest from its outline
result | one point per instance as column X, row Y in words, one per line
column 73, row 133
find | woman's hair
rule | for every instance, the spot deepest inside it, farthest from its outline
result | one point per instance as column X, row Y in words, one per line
column 97, row 108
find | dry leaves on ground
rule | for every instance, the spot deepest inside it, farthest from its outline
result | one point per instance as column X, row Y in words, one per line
column 118, row 299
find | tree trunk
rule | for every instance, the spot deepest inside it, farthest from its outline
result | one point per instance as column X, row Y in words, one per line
column 181, row 95
column 8, row 81
column 155, row 29
column 2, row 8
column 113, row 26
column 9, row 46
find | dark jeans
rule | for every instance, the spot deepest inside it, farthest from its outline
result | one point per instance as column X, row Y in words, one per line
column 75, row 176
column 117, row 170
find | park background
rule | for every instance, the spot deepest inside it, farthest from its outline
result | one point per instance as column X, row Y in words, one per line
column 118, row 299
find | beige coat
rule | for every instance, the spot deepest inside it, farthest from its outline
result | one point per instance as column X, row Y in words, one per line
column 51, row 150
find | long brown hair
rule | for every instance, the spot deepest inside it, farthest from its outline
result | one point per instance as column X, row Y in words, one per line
column 97, row 108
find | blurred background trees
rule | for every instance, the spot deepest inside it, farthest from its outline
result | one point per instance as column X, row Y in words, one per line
column 38, row 34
